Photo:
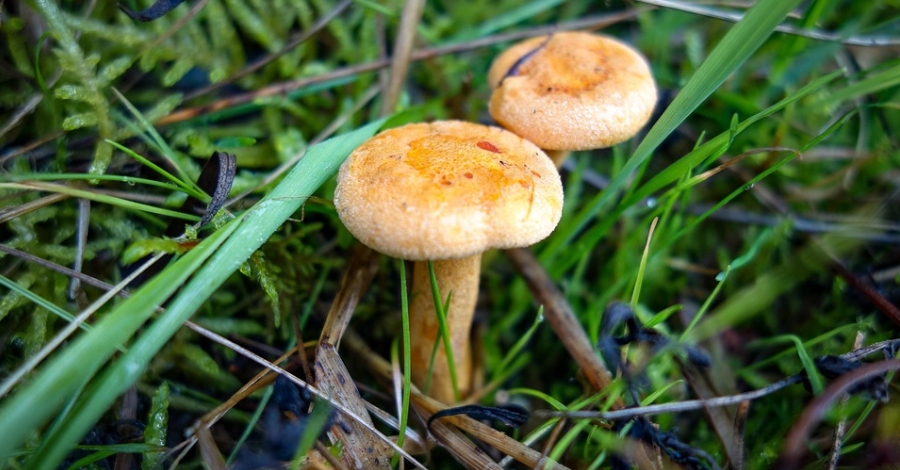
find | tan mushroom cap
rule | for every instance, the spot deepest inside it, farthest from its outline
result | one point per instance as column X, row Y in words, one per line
column 446, row 190
column 576, row 91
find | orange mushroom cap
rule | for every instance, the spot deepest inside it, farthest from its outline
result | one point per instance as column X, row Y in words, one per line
column 448, row 189
column 572, row 91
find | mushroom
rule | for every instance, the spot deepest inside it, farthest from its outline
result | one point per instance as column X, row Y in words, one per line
column 446, row 192
column 572, row 91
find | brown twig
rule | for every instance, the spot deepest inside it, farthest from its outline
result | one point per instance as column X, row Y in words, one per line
column 312, row 389
column 361, row 269
column 320, row 24
column 863, row 41
column 795, row 443
column 382, row 370
column 209, row 451
column 403, row 47
column 81, row 235
column 837, row 442
column 289, row 86
column 561, row 318
column 16, row 211
column 227, row 343
column 882, row 304
column 361, row 449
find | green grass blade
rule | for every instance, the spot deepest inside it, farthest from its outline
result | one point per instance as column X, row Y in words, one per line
column 520, row 344
column 443, row 331
column 186, row 169
column 50, row 306
column 59, row 379
column 220, row 255
column 636, row 293
column 815, row 380
column 254, row 228
column 407, row 355
column 871, row 84
column 709, row 300
column 101, row 198
column 130, row 180
column 190, row 189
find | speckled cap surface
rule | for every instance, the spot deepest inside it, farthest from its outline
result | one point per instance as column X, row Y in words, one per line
column 572, row 91
column 448, row 189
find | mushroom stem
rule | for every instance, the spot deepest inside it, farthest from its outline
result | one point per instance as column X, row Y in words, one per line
column 558, row 156
column 459, row 279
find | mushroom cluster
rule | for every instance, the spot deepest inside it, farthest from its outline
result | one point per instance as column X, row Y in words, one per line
column 446, row 192
column 572, row 91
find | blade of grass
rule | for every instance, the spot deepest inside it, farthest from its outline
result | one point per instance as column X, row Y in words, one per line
column 815, row 380
column 651, row 398
column 50, row 306
column 190, row 189
column 213, row 260
column 315, row 423
column 63, row 335
column 688, row 228
column 567, row 440
column 636, row 294
column 407, row 355
column 130, row 180
column 507, row 19
column 186, row 169
column 520, row 343
column 444, row 331
column 58, row 380
column 709, row 300
column 101, row 198
column 871, row 84
column 663, row 315
column 735, row 48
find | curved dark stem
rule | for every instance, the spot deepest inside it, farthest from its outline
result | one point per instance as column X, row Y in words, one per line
column 794, row 444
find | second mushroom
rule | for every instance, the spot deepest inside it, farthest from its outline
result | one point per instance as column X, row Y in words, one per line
column 572, row 91
column 447, row 192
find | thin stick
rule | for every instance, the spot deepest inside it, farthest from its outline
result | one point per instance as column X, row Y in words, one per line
column 562, row 319
column 81, row 236
column 797, row 437
column 688, row 405
column 841, row 427
column 15, row 211
column 320, row 24
column 315, row 391
column 361, row 269
column 865, row 41
column 403, row 46
column 882, row 304
column 229, row 344
column 286, row 87
column 111, row 291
